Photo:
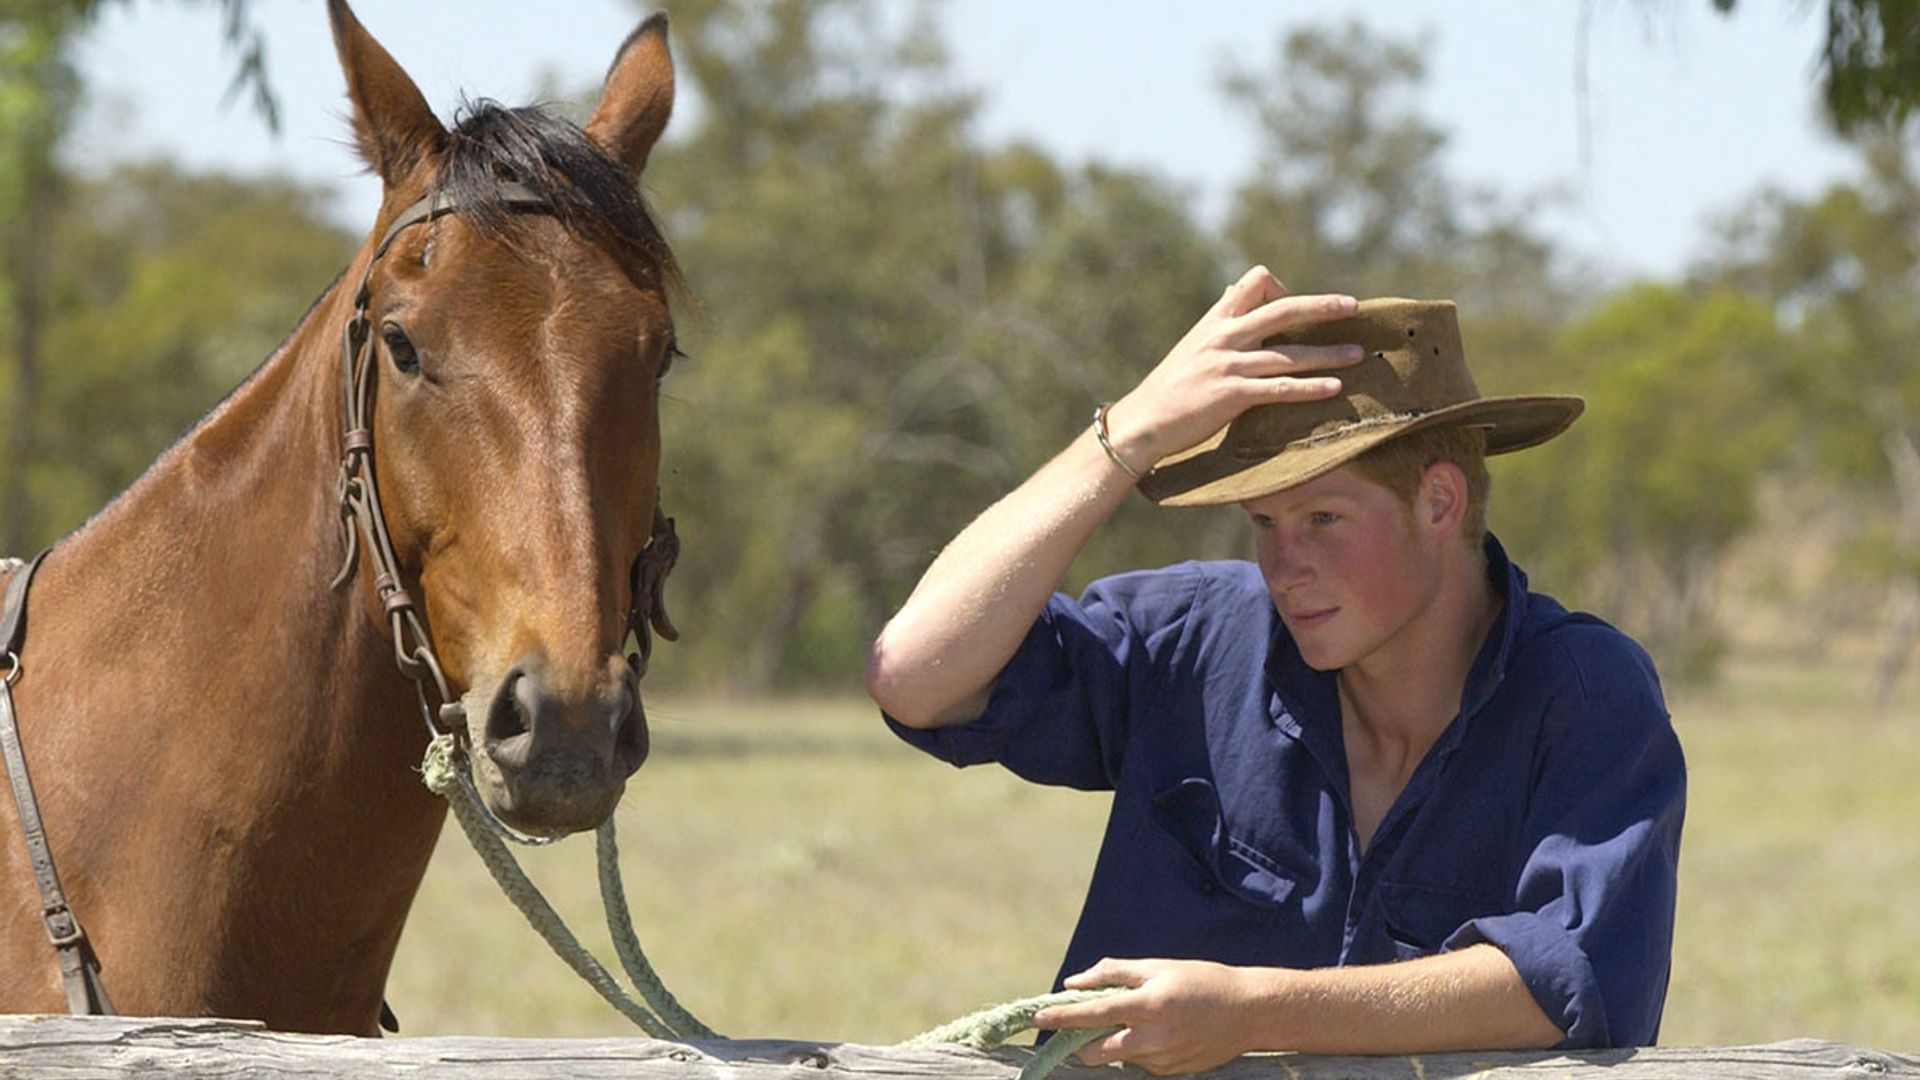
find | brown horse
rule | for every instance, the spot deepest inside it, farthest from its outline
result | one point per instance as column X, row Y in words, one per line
column 225, row 752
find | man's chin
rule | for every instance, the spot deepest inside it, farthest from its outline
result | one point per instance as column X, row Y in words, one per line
column 1324, row 656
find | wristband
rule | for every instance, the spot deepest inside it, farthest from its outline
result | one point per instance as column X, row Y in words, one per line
column 1100, row 432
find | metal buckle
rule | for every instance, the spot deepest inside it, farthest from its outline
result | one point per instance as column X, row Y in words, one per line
column 62, row 928
column 13, row 667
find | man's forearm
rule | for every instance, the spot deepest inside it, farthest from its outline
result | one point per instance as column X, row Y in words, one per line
column 1473, row 999
column 938, row 657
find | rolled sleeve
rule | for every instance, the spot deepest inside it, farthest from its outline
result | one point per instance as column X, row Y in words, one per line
column 1059, row 711
column 1591, row 933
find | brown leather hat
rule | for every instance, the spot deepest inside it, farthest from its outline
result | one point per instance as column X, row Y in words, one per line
column 1413, row 378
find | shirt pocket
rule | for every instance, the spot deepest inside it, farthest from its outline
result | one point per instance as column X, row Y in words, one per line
column 1418, row 919
column 1220, row 859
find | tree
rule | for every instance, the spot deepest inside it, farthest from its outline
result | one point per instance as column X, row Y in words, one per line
column 1350, row 194
column 912, row 322
column 1870, row 64
column 1631, row 512
column 165, row 290
column 39, row 94
column 1842, row 270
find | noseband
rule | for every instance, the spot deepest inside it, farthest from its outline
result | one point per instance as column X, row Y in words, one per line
column 359, row 496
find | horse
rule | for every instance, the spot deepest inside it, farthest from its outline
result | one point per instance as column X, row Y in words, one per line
column 225, row 750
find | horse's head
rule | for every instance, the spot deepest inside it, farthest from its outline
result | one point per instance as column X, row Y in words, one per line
column 515, row 350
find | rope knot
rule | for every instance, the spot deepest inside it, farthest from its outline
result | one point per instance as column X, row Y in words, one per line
column 440, row 768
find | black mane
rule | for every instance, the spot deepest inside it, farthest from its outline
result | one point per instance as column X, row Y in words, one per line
column 590, row 191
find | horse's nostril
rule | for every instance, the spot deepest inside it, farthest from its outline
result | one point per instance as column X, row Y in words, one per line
column 512, row 712
column 630, row 740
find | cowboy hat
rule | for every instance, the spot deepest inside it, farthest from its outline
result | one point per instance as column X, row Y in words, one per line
column 1414, row 377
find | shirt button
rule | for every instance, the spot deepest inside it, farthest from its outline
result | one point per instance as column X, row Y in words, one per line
column 1209, row 887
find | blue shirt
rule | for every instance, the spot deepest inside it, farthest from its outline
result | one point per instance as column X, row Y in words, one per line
column 1544, row 820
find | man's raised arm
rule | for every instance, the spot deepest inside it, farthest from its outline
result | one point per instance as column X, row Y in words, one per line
column 935, row 662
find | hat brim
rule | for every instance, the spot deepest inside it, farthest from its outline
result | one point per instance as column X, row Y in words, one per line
column 1212, row 474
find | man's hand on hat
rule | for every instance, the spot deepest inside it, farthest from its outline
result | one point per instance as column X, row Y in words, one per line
column 1222, row 368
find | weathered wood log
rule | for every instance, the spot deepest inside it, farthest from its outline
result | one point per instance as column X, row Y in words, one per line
column 69, row 1048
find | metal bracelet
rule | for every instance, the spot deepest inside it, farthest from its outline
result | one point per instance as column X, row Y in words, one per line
column 1100, row 432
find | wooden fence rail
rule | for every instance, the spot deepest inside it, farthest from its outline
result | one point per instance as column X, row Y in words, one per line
column 68, row 1048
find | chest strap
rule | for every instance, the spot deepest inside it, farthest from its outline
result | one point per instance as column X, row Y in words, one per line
column 86, row 995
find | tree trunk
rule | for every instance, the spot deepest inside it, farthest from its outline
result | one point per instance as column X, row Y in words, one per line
column 27, row 266
column 1903, row 624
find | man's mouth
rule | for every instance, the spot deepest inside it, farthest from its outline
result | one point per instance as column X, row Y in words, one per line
column 1308, row 620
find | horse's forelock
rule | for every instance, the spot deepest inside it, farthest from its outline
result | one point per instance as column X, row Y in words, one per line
column 590, row 191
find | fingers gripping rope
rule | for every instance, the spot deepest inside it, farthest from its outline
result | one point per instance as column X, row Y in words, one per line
column 988, row 1028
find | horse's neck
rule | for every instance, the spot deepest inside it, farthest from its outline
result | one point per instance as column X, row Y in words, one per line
column 223, row 551
column 239, row 732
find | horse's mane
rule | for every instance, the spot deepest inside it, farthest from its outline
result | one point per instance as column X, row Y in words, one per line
column 589, row 190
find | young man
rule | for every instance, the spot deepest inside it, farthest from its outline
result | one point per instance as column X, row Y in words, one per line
column 1371, row 795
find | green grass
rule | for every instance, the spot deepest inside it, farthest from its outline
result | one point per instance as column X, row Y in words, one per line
column 795, row 871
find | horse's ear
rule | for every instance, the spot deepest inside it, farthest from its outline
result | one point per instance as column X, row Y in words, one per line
column 391, row 121
column 638, row 95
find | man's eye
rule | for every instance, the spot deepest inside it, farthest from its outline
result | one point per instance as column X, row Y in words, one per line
column 1322, row 517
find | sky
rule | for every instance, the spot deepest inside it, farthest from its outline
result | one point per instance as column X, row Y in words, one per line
column 1687, row 112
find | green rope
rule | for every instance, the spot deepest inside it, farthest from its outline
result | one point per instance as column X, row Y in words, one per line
column 613, row 897
column 1062, row 1046
column 441, row 770
column 990, row 1027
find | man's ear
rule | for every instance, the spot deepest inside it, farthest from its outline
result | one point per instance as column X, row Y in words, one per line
column 1441, row 503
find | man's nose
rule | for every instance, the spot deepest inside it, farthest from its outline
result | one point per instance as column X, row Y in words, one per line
column 1285, row 564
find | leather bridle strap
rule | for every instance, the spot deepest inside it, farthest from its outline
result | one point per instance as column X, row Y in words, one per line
column 79, row 971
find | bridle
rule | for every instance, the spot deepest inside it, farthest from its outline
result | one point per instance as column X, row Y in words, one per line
column 359, row 496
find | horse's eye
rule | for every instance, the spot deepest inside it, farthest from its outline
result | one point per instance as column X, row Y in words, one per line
column 666, row 360
column 400, row 350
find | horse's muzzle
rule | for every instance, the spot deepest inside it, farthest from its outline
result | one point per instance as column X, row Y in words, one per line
column 552, row 763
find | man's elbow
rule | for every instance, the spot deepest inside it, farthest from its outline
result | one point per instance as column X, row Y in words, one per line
column 907, row 687
column 887, row 686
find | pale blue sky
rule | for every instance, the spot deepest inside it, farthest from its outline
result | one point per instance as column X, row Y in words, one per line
column 1690, row 112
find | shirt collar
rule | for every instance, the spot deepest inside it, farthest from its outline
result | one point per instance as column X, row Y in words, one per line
column 1490, row 664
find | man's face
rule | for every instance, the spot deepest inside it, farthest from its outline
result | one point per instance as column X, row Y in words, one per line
column 1346, row 566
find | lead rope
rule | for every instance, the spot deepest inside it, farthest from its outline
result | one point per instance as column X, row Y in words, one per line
column 662, row 1016
column 442, row 768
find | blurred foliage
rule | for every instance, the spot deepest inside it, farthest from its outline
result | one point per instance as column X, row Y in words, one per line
column 40, row 93
column 898, row 322
column 1842, row 270
column 31, row 21
column 1633, row 510
column 165, row 291
column 1870, row 62
column 162, row 291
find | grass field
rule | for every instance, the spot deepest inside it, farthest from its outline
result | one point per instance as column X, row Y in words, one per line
column 797, row 872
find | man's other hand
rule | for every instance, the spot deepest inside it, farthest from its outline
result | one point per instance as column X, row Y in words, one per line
column 1179, row 1016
